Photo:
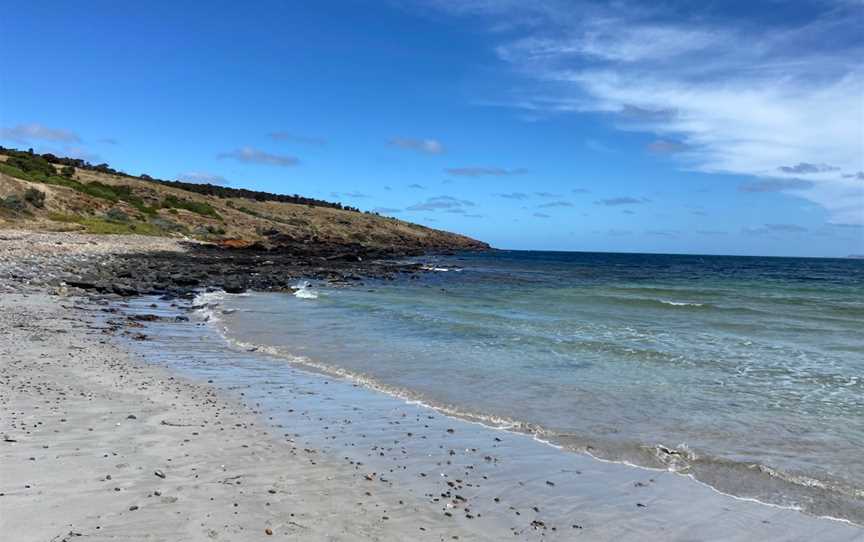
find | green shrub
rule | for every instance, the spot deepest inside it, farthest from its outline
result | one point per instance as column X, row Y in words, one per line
column 34, row 197
column 116, row 215
column 67, row 171
column 197, row 207
column 167, row 225
column 14, row 203
column 32, row 164
column 13, row 171
column 107, row 227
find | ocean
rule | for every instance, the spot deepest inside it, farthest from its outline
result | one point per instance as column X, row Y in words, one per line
column 746, row 373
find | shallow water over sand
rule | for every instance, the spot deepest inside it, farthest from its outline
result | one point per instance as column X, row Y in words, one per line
column 491, row 484
column 746, row 372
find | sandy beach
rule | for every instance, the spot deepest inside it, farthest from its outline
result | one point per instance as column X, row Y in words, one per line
column 117, row 430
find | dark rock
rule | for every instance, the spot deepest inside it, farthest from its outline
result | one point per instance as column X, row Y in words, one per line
column 181, row 280
column 124, row 290
column 82, row 283
column 233, row 288
column 144, row 317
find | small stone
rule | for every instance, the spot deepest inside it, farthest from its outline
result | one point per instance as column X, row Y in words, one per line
column 133, row 508
column 268, row 531
column 159, row 473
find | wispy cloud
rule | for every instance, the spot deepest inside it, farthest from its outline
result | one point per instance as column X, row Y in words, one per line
column 662, row 233
column 249, row 155
column 108, row 141
column 514, row 195
column 580, row 191
column 23, row 133
column 552, row 204
column 744, row 93
column 665, row 146
column 598, row 146
column 775, row 229
column 806, row 167
column 417, row 186
column 349, row 195
column 484, row 171
column 441, row 203
column 623, row 200
column 540, row 215
column 547, row 195
column 775, row 185
column 428, row 146
column 386, row 210
column 201, row 177
column 294, row 138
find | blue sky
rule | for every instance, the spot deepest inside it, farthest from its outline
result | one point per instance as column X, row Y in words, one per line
column 709, row 127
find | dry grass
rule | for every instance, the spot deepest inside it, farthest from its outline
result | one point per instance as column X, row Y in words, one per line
column 156, row 211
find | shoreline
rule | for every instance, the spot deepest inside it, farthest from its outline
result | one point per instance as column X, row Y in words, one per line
column 128, row 450
column 753, row 479
column 208, row 420
column 672, row 497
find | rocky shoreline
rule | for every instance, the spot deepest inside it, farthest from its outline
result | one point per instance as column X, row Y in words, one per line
column 132, row 265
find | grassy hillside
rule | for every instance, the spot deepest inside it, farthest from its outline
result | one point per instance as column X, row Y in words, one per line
column 36, row 193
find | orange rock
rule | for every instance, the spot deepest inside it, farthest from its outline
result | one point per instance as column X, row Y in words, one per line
column 235, row 243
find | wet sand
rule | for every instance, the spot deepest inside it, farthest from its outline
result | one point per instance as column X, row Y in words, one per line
column 165, row 432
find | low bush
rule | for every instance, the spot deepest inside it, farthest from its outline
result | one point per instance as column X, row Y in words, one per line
column 103, row 226
column 14, row 204
column 116, row 215
column 34, row 197
column 197, row 207
column 32, row 163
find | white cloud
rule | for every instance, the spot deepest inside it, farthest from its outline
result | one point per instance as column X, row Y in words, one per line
column 200, row 177
column 739, row 96
column 28, row 132
column 255, row 156
column 474, row 171
column 444, row 203
column 428, row 146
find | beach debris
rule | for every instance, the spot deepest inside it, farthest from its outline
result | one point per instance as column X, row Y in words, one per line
column 268, row 531
column 159, row 473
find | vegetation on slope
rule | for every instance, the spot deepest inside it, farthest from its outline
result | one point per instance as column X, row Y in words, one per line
column 42, row 162
column 44, row 191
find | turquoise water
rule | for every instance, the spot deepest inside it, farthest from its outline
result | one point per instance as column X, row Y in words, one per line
column 747, row 373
